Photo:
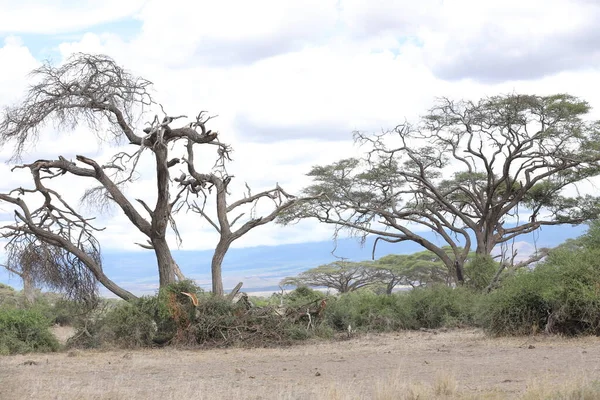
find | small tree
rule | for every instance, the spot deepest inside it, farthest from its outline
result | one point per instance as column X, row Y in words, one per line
column 419, row 269
column 477, row 174
column 343, row 276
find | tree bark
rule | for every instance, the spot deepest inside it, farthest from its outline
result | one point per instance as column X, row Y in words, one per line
column 460, row 273
column 166, row 264
column 389, row 287
column 28, row 289
column 114, row 288
column 217, row 260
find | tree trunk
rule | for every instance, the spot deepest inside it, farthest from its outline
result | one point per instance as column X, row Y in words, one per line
column 460, row 273
column 114, row 288
column 390, row 287
column 178, row 272
column 485, row 243
column 217, row 261
column 166, row 264
column 28, row 289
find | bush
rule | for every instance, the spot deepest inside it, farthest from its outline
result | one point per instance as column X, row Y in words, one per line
column 127, row 325
column 23, row 331
column 367, row 311
column 9, row 297
column 561, row 295
column 62, row 311
column 302, row 296
column 480, row 271
column 430, row 307
column 441, row 306
column 171, row 317
column 148, row 321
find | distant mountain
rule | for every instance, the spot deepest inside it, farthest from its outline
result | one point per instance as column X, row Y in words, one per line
column 261, row 268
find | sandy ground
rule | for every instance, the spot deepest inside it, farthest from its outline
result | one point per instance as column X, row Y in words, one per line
column 356, row 368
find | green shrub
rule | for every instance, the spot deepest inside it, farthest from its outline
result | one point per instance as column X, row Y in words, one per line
column 441, row 306
column 561, row 295
column 480, row 271
column 430, row 307
column 515, row 308
column 9, row 297
column 62, row 311
column 148, row 321
column 301, row 296
column 23, row 331
column 367, row 311
column 127, row 325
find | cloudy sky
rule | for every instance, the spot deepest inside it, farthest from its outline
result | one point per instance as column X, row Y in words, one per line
column 290, row 80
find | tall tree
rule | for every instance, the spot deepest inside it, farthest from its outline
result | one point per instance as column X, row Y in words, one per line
column 93, row 90
column 478, row 174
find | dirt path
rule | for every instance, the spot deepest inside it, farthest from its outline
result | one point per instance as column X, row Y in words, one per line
column 355, row 368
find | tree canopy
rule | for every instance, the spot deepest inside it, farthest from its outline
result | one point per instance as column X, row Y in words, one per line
column 343, row 276
column 477, row 174
column 419, row 269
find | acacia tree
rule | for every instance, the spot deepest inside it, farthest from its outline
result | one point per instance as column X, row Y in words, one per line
column 93, row 90
column 343, row 276
column 418, row 269
column 477, row 174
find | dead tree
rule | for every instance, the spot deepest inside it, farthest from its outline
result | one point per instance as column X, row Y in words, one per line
column 93, row 90
column 227, row 214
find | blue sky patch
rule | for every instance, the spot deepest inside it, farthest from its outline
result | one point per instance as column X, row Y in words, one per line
column 45, row 46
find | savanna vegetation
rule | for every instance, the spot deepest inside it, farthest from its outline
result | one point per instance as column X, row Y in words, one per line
column 561, row 295
column 477, row 174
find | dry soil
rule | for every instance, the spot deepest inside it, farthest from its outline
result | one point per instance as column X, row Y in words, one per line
column 454, row 364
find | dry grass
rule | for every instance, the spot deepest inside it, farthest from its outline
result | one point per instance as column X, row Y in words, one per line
column 408, row 365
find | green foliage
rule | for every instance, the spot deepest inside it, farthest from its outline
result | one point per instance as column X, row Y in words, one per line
column 561, row 295
column 431, row 307
column 148, row 321
column 9, row 297
column 441, row 306
column 23, row 331
column 480, row 271
column 367, row 311
column 171, row 317
column 418, row 269
column 343, row 276
column 301, row 296
column 62, row 311
column 591, row 239
column 131, row 324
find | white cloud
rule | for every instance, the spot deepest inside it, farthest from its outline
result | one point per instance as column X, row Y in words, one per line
column 500, row 41
column 290, row 81
column 231, row 32
column 15, row 64
column 52, row 17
